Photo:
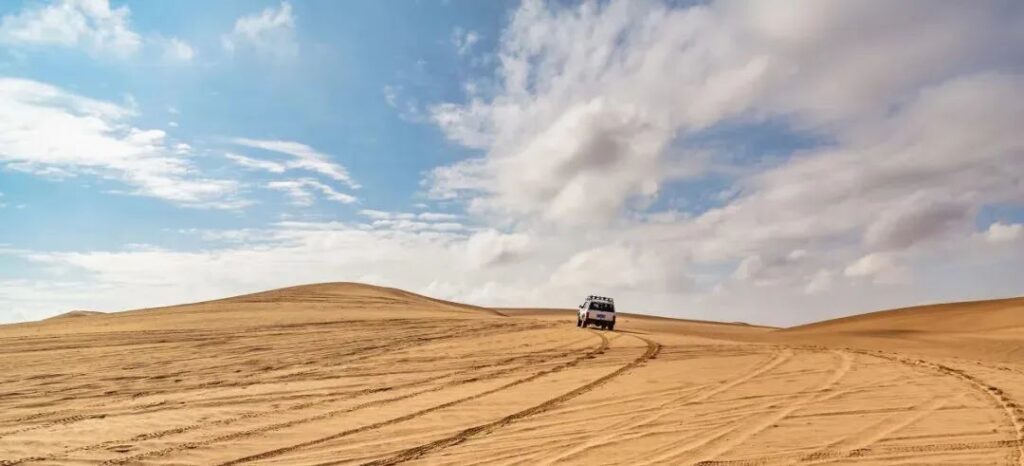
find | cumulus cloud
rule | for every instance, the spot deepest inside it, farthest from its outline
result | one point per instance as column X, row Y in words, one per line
column 491, row 247
column 915, row 175
column 304, row 157
column 880, row 268
column 999, row 232
column 270, row 32
column 89, row 24
column 51, row 132
column 593, row 96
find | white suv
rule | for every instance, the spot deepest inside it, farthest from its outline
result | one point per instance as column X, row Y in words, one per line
column 598, row 311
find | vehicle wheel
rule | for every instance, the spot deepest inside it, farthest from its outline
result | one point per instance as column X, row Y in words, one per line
column 611, row 327
column 585, row 323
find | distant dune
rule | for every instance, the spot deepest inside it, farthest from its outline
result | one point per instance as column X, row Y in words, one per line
column 343, row 373
column 969, row 316
column 79, row 313
column 985, row 330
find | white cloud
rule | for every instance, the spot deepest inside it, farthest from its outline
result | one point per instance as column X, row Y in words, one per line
column 384, row 215
column 999, row 232
column 405, row 221
column 880, row 268
column 51, row 132
column 491, row 247
column 436, row 216
column 305, row 157
column 820, row 282
column 464, row 40
column 408, row 109
column 594, row 96
column 90, row 24
column 749, row 268
column 256, row 164
column 391, row 96
column 176, row 49
column 301, row 191
column 620, row 266
column 416, row 226
column 468, row 125
column 270, row 32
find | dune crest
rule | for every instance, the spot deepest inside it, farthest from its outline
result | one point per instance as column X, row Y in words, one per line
column 76, row 313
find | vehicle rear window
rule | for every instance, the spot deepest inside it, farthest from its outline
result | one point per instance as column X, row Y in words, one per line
column 604, row 307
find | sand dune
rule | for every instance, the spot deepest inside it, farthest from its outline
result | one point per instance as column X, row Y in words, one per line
column 72, row 314
column 983, row 330
column 354, row 374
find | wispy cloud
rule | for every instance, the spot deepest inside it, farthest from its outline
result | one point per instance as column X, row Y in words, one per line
column 178, row 50
column 301, row 191
column 256, row 164
column 269, row 32
column 52, row 132
column 464, row 40
column 304, row 157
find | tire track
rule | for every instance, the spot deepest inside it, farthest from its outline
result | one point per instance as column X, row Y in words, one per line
column 937, row 448
column 601, row 348
column 776, row 359
column 251, row 415
column 860, row 440
column 701, row 392
column 1012, row 410
column 416, row 335
column 723, row 440
column 416, row 452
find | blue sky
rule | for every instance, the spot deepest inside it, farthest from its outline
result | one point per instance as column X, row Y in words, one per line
column 719, row 160
column 329, row 95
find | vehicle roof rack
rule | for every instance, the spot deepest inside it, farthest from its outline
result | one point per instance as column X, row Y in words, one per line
column 600, row 298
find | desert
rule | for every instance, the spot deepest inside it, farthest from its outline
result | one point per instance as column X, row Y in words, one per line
column 511, row 232
column 343, row 373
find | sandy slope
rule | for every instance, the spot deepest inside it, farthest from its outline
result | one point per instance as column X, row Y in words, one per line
column 984, row 330
column 351, row 374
